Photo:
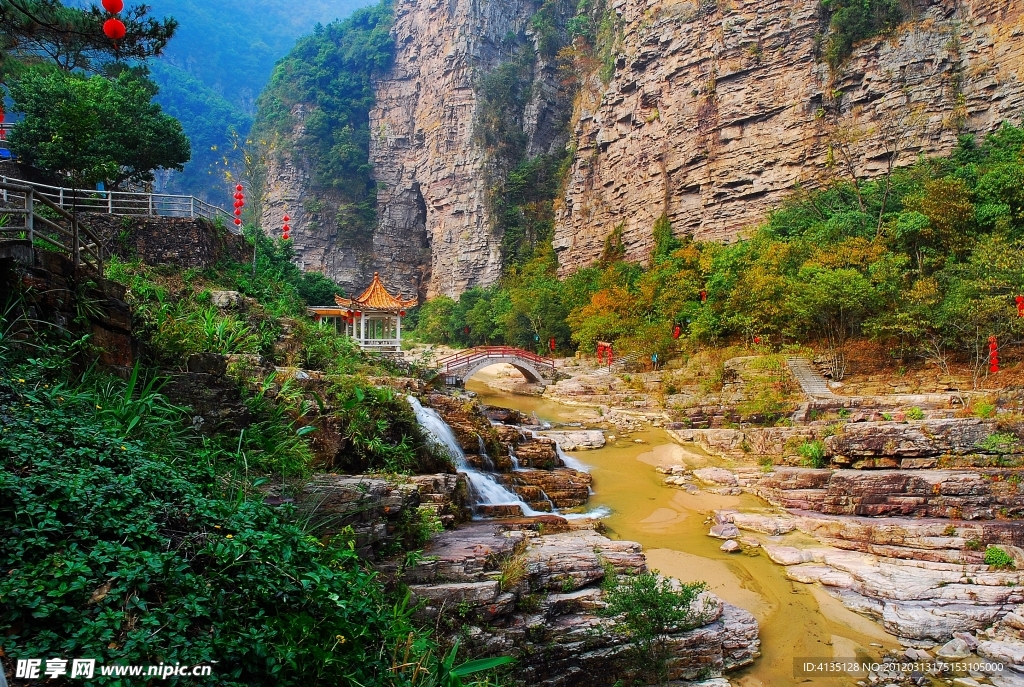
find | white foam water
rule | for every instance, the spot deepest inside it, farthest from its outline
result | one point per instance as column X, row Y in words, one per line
column 485, row 489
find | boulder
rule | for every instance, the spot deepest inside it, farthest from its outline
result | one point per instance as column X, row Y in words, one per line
column 787, row 555
column 724, row 531
column 1011, row 653
column 910, row 440
column 953, row 650
column 730, row 546
column 578, row 440
column 719, row 476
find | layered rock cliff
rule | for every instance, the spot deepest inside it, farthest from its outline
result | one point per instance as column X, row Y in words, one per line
column 717, row 109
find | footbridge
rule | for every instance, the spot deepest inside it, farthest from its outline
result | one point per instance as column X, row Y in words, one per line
column 458, row 368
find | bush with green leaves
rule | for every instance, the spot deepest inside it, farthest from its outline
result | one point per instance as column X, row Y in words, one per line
column 647, row 608
column 122, row 547
column 997, row 558
column 813, row 454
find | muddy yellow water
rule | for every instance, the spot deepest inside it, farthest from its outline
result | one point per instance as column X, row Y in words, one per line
column 796, row 620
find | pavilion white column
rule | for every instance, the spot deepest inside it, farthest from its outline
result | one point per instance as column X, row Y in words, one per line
column 362, row 327
column 398, row 331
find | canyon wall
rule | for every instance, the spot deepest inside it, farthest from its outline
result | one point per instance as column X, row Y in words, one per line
column 718, row 110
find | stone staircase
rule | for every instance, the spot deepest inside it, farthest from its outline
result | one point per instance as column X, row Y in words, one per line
column 809, row 379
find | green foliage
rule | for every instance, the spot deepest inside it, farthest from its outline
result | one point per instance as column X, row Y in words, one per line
column 94, row 129
column 329, row 74
column 999, row 443
column 71, row 37
column 850, row 21
column 125, row 548
column 813, row 454
column 927, row 264
column 914, row 413
column 998, row 559
column 207, row 118
column 648, row 608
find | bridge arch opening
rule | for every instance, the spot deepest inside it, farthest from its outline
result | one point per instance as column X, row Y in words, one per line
column 513, row 372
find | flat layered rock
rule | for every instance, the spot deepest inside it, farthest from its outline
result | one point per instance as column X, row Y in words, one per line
column 578, row 440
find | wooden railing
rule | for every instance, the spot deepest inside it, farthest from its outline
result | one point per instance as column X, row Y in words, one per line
column 473, row 355
column 32, row 217
column 128, row 203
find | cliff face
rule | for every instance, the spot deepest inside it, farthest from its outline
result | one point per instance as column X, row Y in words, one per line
column 715, row 112
column 718, row 109
column 434, row 234
column 433, row 172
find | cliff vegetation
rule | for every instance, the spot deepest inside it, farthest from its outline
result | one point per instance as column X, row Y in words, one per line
column 927, row 261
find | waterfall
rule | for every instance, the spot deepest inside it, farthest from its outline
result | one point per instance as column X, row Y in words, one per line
column 514, row 458
column 486, row 490
column 488, row 463
column 570, row 462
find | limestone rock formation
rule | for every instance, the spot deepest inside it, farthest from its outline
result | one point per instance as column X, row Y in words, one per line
column 717, row 110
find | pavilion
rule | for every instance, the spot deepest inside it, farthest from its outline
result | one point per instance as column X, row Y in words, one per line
column 373, row 319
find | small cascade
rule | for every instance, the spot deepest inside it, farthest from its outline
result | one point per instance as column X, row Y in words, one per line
column 570, row 462
column 485, row 490
column 488, row 463
column 515, row 459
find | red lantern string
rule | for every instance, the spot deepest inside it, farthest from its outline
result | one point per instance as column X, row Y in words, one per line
column 993, row 355
column 703, row 296
column 676, row 331
column 1019, row 299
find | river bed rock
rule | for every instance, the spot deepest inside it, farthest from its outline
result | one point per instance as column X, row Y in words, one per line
column 538, row 597
column 578, row 440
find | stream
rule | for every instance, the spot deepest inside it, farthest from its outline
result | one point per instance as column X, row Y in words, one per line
column 796, row 620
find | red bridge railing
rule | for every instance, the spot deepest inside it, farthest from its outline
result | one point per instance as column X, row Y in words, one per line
column 473, row 355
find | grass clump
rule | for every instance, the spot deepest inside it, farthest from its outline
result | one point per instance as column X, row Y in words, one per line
column 813, row 454
column 998, row 559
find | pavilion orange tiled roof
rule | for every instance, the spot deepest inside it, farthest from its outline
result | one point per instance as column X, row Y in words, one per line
column 376, row 297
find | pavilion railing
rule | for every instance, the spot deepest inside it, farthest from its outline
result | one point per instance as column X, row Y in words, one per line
column 31, row 217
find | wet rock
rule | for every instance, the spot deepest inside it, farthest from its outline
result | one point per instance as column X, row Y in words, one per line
column 719, row 476
column 567, row 488
column 730, row 546
column 724, row 531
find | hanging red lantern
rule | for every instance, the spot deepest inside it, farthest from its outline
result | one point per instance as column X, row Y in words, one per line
column 113, row 6
column 703, row 295
column 287, row 218
column 286, row 236
column 465, row 330
column 238, row 212
column 238, row 188
column 401, row 313
column 993, row 354
column 238, row 222
column 114, row 29
column 1019, row 299
column 676, row 331
column 551, row 343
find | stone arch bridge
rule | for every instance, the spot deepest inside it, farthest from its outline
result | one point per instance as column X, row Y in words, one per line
column 457, row 369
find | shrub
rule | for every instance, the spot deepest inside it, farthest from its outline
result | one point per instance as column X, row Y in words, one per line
column 813, row 454
column 115, row 551
column 999, row 442
column 914, row 413
column 851, row 21
column 649, row 607
column 997, row 558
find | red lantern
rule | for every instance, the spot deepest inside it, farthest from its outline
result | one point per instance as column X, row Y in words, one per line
column 465, row 329
column 551, row 343
column 238, row 188
column 286, row 236
column 401, row 313
column 287, row 219
column 238, row 222
column 703, row 295
column 114, row 29
column 993, row 354
column 113, row 6
column 676, row 331
column 238, row 212
column 1019, row 299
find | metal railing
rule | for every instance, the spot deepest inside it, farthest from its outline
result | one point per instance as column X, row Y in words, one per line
column 128, row 203
column 27, row 215
column 462, row 358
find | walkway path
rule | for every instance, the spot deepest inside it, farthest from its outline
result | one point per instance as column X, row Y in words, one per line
column 809, row 379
